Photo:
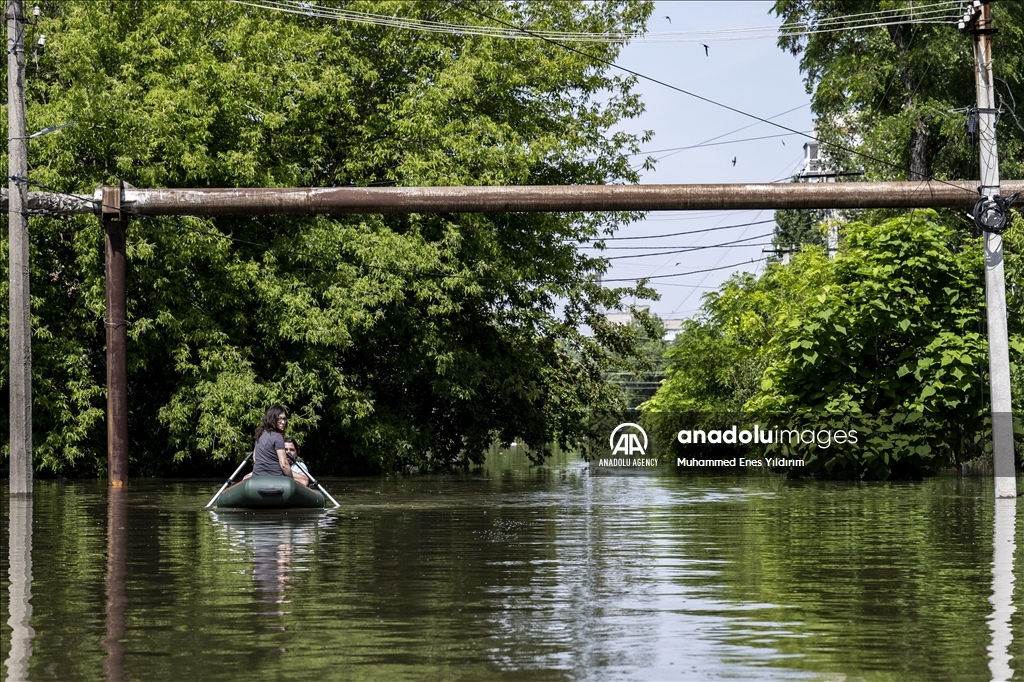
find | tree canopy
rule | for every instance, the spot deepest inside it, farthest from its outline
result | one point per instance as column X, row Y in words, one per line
column 891, row 100
column 393, row 340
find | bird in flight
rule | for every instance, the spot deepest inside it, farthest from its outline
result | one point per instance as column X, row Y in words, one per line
column 783, row 143
column 734, row 160
column 669, row 19
column 707, row 48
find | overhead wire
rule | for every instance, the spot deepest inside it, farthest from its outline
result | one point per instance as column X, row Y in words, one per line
column 641, row 255
column 708, row 100
column 715, row 144
column 679, row 234
column 312, row 10
column 685, row 249
column 797, row 163
column 704, row 279
column 706, row 143
column 681, row 274
column 935, row 13
column 307, row 8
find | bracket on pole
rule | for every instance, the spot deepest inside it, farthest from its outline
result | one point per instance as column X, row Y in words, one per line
column 110, row 209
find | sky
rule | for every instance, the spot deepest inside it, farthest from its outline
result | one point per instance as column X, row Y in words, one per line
column 754, row 76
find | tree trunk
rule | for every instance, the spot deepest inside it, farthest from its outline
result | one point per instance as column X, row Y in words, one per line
column 920, row 135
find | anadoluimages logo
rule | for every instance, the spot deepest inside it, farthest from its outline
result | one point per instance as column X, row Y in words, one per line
column 628, row 442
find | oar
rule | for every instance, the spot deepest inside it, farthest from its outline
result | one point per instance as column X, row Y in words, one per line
column 304, row 469
column 231, row 479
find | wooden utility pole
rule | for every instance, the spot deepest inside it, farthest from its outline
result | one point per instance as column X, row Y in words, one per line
column 990, row 216
column 116, row 323
column 19, row 319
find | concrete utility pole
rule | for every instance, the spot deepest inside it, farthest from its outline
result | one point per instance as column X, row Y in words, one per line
column 20, row 324
column 990, row 216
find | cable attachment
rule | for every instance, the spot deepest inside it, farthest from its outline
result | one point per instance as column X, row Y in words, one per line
column 972, row 126
column 973, row 122
column 992, row 214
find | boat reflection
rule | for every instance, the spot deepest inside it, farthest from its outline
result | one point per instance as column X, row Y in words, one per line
column 20, row 572
column 1001, row 599
column 281, row 542
column 117, row 595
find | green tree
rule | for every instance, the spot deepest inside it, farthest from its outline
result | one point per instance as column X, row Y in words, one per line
column 893, row 342
column 888, row 338
column 716, row 362
column 796, row 228
column 393, row 339
column 882, row 96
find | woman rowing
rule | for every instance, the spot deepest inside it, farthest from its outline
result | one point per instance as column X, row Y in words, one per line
column 271, row 456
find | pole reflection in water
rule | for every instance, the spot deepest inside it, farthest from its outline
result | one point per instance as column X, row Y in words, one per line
column 1002, row 590
column 117, row 596
column 20, row 573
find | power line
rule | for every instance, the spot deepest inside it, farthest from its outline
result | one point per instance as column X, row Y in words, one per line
column 678, row 234
column 687, row 249
column 683, row 274
column 706, row 142
column 727, row 107
column 716, row 144
column 685, row 286
column 936, row 13
column 309, row 9
column 798, row 161
column 719, row 137
column 637, row 264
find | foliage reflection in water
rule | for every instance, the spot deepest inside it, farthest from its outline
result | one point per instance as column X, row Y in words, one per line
column 516, row 573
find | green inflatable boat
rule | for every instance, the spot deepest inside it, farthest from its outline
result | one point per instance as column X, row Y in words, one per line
column 269, row 492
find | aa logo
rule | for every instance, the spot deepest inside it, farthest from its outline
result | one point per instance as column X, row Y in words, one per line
column 629, row 441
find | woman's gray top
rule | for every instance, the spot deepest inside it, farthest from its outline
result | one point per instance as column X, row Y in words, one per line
column 265, row 462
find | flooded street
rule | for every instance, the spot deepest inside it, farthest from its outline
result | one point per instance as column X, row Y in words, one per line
column 513, row 572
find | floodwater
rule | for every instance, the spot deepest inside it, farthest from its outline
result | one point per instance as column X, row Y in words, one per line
column 516, row 573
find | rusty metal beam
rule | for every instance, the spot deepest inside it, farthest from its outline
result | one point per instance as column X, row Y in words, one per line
column 555, row 198
column 530, row 198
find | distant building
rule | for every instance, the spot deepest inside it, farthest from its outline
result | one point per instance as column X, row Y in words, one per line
column 672, row 327
column 627, row 316
column 815, row 170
